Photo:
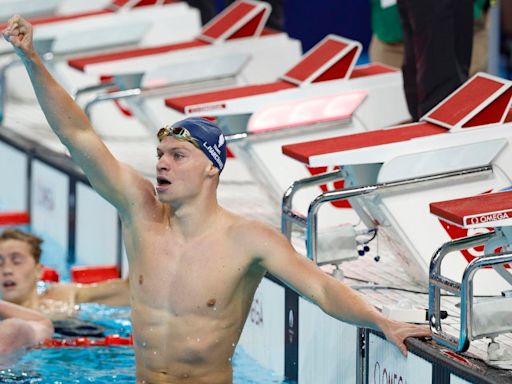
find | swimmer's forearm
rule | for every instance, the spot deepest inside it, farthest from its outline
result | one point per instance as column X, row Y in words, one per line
column 9, row 310
column 347, row 305
column 65, row 117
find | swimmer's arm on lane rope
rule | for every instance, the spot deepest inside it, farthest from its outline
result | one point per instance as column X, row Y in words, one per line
column 334, row 297
column 115, row 292
column 117, row 182
column 22, row 328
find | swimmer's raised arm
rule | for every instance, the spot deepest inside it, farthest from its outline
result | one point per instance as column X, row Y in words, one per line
column 115, row 181
column 274, row 252
column 21, row 327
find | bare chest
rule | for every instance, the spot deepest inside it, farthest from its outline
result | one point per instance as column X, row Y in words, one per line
column 189, row 278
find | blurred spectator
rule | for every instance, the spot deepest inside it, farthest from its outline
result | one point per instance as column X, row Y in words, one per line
column 386, row 46
column 437, row 50
column 387, row 40
column 506, row 35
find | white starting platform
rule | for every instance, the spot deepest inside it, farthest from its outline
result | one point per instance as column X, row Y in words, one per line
column 460, row 148
column 124, row 23
column 233, row 49
column 37, row 8
column 119, row 23
column 491, row 316
column 329, row 67
column 239, row 29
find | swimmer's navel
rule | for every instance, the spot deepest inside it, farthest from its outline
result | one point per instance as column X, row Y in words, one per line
column 211, row 303
column 141, row 279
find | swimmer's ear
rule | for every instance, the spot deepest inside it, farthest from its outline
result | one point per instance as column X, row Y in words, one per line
column 212, row 170
column 39, row 270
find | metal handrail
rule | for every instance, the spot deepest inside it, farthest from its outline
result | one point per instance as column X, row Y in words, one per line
column 464, row 289
column 438, row 282
column 109, row 97
column 342, row 194
column 288, row 216
column 93, row 88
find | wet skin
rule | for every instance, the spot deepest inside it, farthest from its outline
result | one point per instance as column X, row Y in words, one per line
column 192, row 295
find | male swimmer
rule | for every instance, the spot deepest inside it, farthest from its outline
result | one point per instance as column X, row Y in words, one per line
column 20, row 271
column 194, row 266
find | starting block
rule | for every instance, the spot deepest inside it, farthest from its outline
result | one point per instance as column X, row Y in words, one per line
column 487, row 317
column 37, row 8
column 461, row 147
column 232, row 49
column 129, row 24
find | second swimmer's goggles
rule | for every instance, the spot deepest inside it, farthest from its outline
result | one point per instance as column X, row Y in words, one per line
column 177, row 132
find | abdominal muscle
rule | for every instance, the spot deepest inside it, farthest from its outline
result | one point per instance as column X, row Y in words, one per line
column 193, row 348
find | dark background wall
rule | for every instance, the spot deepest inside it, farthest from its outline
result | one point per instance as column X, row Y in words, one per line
column 311, row 20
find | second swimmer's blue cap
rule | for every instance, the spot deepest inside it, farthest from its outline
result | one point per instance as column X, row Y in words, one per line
column 206, row 134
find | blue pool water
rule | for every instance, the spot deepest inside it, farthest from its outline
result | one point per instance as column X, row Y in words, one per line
column 102, row 365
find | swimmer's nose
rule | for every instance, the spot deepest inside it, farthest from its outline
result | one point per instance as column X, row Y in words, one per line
column 162, row 165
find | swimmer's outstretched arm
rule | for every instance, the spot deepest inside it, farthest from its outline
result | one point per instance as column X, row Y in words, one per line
column 115, row 181
column 115, row 292
column 22, row 327
column 274, row 253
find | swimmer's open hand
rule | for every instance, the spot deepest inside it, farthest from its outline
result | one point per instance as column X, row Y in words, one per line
column 396, row 332
column 19, row 33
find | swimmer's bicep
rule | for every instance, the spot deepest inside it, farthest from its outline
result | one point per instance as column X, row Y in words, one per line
column 292, row 268
column 112, row 179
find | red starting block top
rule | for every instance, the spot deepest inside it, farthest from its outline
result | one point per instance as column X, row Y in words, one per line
column 305, row 151
column 486, row 210
column 333, row 58
column 81, row 62
column 482, row 100
column 244, row 18
column 202, row 101
column 371, row 70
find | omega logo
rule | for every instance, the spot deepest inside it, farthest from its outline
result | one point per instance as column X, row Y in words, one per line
column 385, row 376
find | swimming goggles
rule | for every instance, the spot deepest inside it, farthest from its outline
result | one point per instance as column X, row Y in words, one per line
column 177, row 132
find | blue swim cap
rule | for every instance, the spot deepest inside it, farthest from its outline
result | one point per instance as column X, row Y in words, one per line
column 209, row 138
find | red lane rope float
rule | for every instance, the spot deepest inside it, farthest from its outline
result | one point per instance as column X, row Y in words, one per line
column 14, row 218
column 83, row 274
column 94, row 273
column 107, row 341
column 50, row 275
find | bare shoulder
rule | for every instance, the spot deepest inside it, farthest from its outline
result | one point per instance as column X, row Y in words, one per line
column 257, row 237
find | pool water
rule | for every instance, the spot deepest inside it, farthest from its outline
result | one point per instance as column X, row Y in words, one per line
column 104, row 365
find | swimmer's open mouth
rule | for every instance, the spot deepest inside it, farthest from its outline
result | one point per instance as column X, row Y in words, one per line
column 162, row 182
column 9, row 284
